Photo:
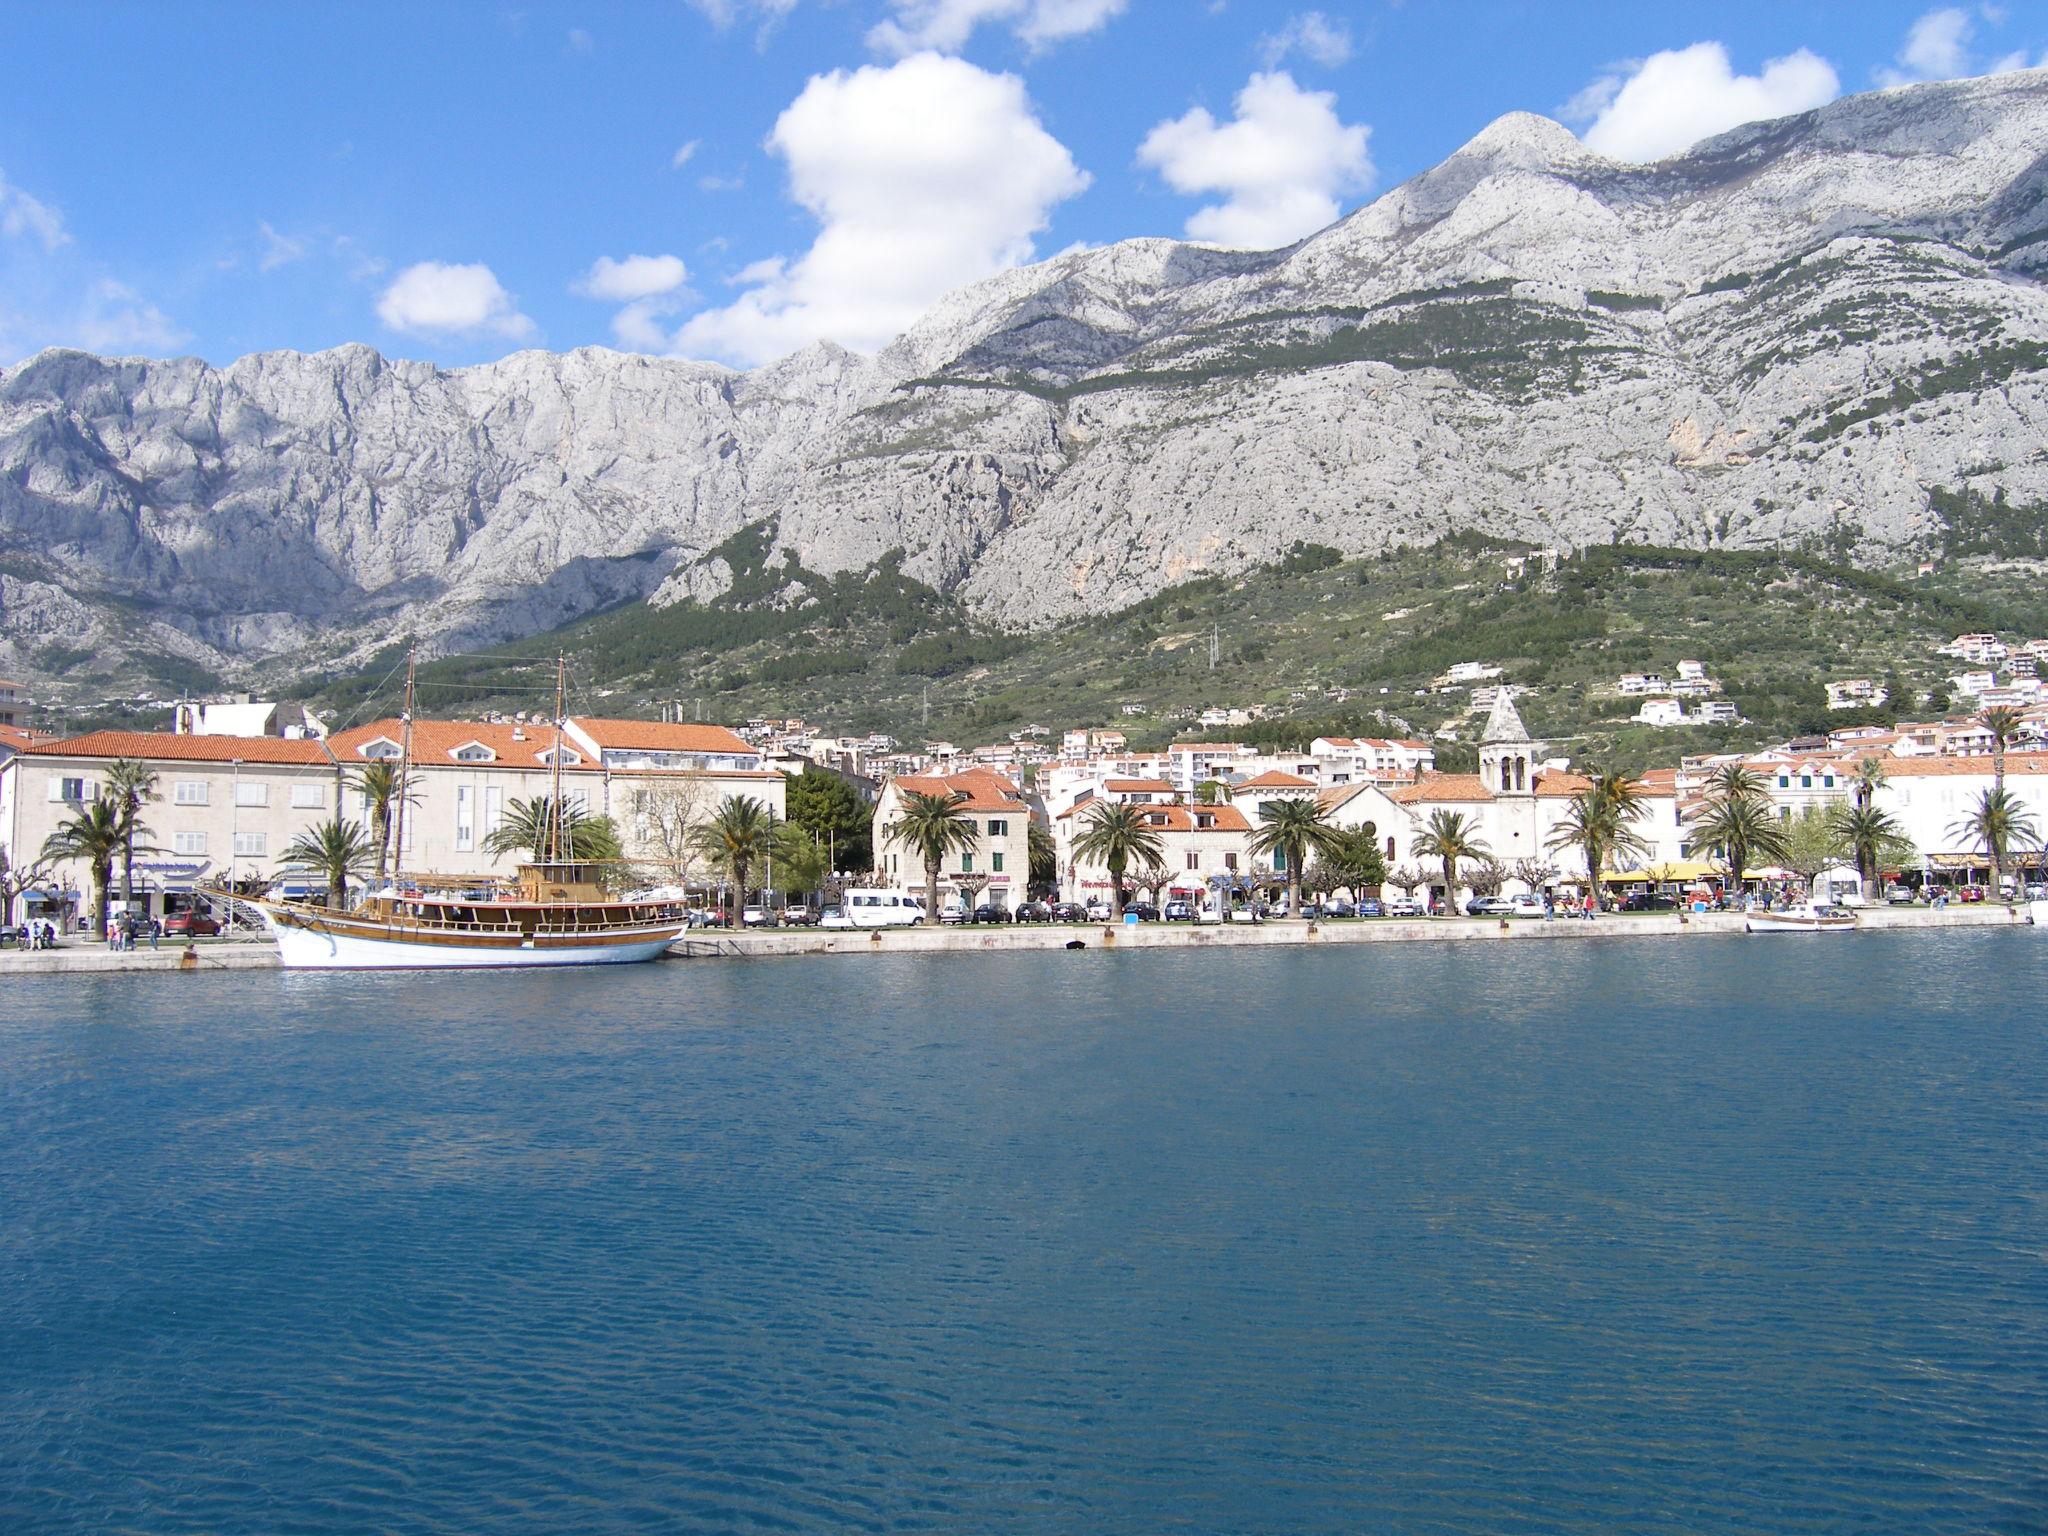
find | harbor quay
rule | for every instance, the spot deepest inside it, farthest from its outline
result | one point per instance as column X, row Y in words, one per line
column 92, row 959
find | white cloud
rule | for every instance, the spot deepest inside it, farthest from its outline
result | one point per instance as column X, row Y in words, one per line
column 278, row 250
column 1938, row 47
column 1673, row 99
column 115, row 318
column 581, row 41
column 721, row 183
column 451, row 299
column 1281, row 165
column 23, row 215
column 1311, row 34
column 923, row 175
column 946, row 25
column 682, row 156
column 632, row 277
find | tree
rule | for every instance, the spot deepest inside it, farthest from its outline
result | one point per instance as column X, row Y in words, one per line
column 2003, row 722
column 668, row 819
column 1486, row 876
column 1292, row 829
column 1117, row 837
column 1449, row 837
column 932, row 826
column 17, row 879
column 733, row 837
column 1811, row 843
column 1999, row 825
column 1599, row 823
column 1044, row 859
column 381, row 784
column 1869, row 778
column 1738, row 820
column 1211, row 792
column 1352, row 862
column 336, row 850
column 827, row 806
column 95, row 837
column 802, row 859
column 1406, row 879
column 1535, row 873
column 550, row 833
column 1873, row 839
column 130, row 785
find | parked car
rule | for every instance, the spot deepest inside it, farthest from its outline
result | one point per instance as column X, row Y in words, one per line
column 1970, row 893
column 1179, row 912
column 1372, row 906
column 1902, row 896
column 1405, row 906
column 1146, row 912
column 1489, row 906
column 190, row 924
column 1338, row 906
column 989, row 912
column 953, row 910
column 799, row 917
column 1069, row 912
column 1648, row 901
column 1528, row 904
column 710, row 917
column 834, row 917
column 757, row 917
column 1099, row 911
column 1034, row 912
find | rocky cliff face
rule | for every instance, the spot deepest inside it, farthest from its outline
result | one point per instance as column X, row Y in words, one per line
column 1794, row 331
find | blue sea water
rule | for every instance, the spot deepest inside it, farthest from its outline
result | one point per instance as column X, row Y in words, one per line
column 1701, row 1235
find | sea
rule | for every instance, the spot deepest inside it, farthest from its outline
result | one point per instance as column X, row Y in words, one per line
column 1620, row 1235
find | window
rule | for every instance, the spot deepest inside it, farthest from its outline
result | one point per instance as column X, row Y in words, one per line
column 1230, row 861
column 189, row 792
column 966, row 863
column 1390, row 850
column 1194, row 861
column 309, row 797
column 188, row 842
column 494, row 808
column 1784, row 781
column 998, row 828
column 252, row 792
column 71, row 790
column 1827, row 781
column 475, row 752
column 251, row 845
column 1806, row 781
column 995, row 862
column 381, row 750
column 465, row 818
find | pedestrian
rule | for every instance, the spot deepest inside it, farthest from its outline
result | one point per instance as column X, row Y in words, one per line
column 156, row 930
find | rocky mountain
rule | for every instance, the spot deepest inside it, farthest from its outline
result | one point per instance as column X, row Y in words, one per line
column 1795, row 332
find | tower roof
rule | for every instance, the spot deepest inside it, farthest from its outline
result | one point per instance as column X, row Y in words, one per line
column 1503, row 721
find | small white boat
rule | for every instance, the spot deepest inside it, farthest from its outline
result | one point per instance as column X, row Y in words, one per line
column 1807, row 917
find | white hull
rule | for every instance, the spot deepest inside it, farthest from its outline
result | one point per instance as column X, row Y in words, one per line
column 301, row 948
column 1795, row 922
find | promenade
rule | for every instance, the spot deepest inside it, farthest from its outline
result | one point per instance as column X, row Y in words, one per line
column 82, row 957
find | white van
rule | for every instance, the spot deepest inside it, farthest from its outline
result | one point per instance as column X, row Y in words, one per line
column 883, row 909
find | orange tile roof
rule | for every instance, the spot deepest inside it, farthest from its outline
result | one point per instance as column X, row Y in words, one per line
column 657, row 736
column 1441, row 786
column 1137, row 786
column 437, row 741
column 1276, row 778
column 17, row 738
column 985, row 791
column 162, row 746
column 1561, row 786
column 1181, row 818
column 1939, row 767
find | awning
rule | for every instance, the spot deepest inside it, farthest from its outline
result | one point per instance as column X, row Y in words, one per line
column 1671, row 872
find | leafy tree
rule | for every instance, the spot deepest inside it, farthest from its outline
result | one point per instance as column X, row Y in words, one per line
column 94, row 836
column 2000, row 825
column 1449, row 837
column 802, row 862
column 130, row 785
column 1811, row 842
column 336, row 850
column 1118, row 837
column 1352, row 862
column 1211, row 792
column 828, row 807
column 548, row 833
column 382, row 784
column 933, row 826
column 734, row 838
column 1293, row 829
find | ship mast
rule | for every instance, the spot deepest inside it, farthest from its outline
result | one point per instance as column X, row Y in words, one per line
column 561, row 815
column 404, row 774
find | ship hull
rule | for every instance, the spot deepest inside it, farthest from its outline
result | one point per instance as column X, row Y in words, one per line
column 308, row 942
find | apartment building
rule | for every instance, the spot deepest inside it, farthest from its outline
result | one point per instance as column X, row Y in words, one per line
column 1199, row 845
column 1000, row 858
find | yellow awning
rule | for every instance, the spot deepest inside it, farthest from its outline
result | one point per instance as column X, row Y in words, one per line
column 1669, row 872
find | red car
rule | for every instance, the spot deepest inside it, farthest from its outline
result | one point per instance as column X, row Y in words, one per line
column 191, row 925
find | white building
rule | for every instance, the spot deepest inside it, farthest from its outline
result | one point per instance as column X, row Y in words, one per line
column 999, row 860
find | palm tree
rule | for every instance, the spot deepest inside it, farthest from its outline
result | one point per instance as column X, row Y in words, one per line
column 96, row 836
column 1044, row 858
column 530, row 827
column 381, row 784
column 1600, row 822
column 740, row 831
column 1998, row 825
column 1449, row 837
column 932, row 826
column 1119, row 836
column 1738, row 819
column 130, row 785
column 1293, row 829
column 1869, row 778
column 2003, row 722
column 1871, row 837
column 336, row 849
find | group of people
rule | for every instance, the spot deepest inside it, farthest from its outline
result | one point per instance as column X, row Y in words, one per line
column 36, row 935
column 124, row 928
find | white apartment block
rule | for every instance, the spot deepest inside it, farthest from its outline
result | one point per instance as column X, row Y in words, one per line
column 1199, row 844
column 1358, row 759
column 1001, row 822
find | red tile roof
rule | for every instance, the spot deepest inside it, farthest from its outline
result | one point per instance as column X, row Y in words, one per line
column 1137, row 786
column 1441, row 786
column 1181, row 818
column 437, row 742
column 985, row 790
column 658, row 736
column 1945, row 767
column 17, row 738
column 162, row 746
column 1275, row 778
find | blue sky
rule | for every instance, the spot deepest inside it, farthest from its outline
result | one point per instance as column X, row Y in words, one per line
column 456, row 181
